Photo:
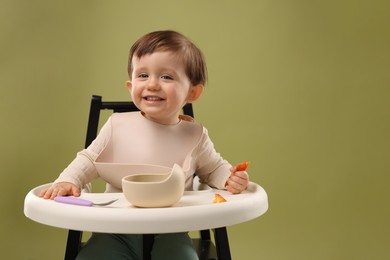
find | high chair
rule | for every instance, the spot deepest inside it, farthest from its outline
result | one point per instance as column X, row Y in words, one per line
column 204, row 245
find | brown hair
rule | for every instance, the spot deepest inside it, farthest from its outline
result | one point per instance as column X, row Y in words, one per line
column 193, row 59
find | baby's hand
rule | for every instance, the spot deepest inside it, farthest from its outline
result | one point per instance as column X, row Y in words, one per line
column 238, row 180
column 60, row 189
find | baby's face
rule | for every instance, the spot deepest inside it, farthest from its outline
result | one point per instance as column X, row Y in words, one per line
column 159, row 86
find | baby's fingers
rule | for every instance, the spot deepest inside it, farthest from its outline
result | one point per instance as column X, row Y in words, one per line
column 42, row 193
column 46, row 194
column 232, row 190
column 235, row 184
column 241, row 176
column 63, row 189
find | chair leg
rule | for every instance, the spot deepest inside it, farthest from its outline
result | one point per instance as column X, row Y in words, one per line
column 148, row 240
column 204, row 246
column 205, row 234
column 73, row 244
column 222, row 243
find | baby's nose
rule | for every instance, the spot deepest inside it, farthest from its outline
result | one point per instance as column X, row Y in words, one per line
column 153, row 85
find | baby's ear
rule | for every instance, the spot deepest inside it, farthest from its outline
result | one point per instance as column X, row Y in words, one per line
column 128, row 85
column 194, row 93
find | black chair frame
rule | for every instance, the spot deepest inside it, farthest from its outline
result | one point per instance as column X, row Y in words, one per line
column 204, row 245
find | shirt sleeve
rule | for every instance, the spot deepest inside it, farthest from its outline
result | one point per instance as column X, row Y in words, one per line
column 211, row 168
column 82, row 170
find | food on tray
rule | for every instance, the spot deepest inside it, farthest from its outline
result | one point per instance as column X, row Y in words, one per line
column 242, row 166
column 219, row 198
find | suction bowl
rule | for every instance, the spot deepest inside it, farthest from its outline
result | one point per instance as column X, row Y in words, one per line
column 154, row 190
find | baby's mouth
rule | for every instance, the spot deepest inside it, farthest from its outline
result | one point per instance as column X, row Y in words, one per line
column 153, row 98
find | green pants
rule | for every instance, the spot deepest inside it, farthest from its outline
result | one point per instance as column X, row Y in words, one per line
column 101, row 246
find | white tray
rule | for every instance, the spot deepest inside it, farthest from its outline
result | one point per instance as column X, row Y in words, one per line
column 194, row 211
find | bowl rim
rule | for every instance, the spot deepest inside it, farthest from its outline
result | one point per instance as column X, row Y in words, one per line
column 147, row 182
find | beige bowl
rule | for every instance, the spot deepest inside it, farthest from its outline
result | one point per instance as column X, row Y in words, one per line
column 151, row 190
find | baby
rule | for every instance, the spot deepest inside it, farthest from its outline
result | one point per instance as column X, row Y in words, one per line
column 166, row 71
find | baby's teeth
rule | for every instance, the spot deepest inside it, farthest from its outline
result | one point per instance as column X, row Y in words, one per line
column 153, row 98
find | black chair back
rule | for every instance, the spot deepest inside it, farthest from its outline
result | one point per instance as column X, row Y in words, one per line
column 204, row 245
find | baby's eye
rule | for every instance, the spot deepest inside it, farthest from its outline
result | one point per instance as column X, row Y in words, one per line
column 143, row 75
column 167, row 77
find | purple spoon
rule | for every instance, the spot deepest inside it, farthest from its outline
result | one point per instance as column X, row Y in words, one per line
column 81, row 202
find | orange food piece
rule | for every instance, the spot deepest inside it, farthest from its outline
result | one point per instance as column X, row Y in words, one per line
column 242, row 166
column 219, row 198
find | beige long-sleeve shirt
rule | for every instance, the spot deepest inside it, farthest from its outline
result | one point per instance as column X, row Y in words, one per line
column 130, row 138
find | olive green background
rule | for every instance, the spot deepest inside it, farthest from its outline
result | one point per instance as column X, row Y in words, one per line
column 299, row 88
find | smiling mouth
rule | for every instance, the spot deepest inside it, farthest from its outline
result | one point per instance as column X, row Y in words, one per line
column 153, row 98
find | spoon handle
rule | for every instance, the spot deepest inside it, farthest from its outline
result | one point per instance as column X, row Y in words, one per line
column 73, row 201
